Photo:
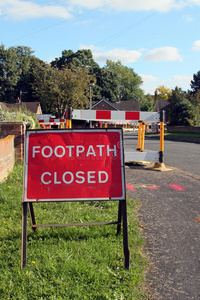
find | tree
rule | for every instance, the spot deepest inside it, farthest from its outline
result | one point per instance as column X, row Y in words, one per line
column 9, row 74
column 181, row 111
column 80, row 59
column 162, row 93
column 118, row 82
column 26, row 61
column 147, row 103
column 194, row 98
column 195, row 83
column 16, row 64
column 59, row 89
column 108, row 83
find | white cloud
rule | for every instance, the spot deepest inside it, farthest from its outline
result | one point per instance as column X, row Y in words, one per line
column 117, row 54
column 91, row 47
column 187, row 18
column 125, row 56
column 197, row 2
column 163, row 54
column 21, row 10
column 151, row 83
column 182, row 81
column 196, row 45
column 148, row 78
column 127, row 5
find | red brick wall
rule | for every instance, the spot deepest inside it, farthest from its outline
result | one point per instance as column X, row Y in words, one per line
column 7, row 156
column 103, row 106
column 16, row 128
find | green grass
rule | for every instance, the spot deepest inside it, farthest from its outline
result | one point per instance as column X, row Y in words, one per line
column 68, row 262
column 189, row 134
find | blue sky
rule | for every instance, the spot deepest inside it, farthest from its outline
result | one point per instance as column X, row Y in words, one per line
column 159, row 39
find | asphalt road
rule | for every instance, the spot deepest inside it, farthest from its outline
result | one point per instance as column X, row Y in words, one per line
column 185, row 156
column 170, row 218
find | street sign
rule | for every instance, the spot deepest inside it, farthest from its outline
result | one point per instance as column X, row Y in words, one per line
column 72, row 165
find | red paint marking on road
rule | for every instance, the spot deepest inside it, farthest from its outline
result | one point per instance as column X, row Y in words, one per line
column 177, row 187
column 152, row 188
column 130, row 187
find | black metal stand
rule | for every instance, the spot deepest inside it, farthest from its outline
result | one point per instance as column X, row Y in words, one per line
column 24, row 235
column 125, row 236
column 122, row 214
column 32, row 216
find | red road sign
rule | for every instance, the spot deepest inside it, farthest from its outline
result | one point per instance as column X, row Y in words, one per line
column 72, row 165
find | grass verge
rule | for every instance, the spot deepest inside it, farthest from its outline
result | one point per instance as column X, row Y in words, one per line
column 67, row 263
column 189, row 134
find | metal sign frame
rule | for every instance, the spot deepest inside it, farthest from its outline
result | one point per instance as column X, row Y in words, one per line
column 28, row 203
column 38, row 140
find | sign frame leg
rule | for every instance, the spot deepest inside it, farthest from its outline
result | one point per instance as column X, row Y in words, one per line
column 125, row 236
column 119, row 218
column 32, row 216
column 24, row 236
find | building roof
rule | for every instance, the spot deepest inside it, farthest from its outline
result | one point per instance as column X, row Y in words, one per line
column 34, row 107
column 162, row 104
column 104, row 104
column 128, row 105
column 3, row 106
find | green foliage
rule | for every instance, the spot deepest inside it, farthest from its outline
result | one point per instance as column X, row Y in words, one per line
column 15, row 73
column 67, row 262
column 80, row 59
column 114, row 81
column 118, row 82
column 9, row 73
column 147, row 103
column 195, row 83
column 59, row 89
column 194, row 98
column 20, row 114
column 181, row 111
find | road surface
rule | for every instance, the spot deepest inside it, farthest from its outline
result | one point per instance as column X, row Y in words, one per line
column 170, row 218
column 184, row 156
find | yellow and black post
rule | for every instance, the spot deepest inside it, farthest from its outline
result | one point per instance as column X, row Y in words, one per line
column 160, row 166
column 161, row 153
column 68, row 123
column 142, row 136
column 139, row 136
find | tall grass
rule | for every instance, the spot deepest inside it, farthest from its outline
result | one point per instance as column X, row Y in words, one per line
column 67, row 262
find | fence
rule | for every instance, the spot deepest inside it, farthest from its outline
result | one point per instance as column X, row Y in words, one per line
column 127, row 117
column 117, row 117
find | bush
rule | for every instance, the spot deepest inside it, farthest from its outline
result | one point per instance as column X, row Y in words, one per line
column 21, row 114
column 181, row 109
